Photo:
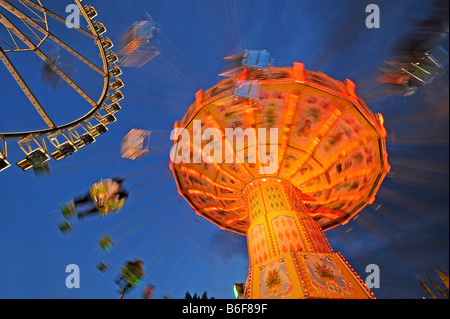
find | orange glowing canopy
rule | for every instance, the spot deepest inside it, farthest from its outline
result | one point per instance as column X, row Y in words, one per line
column 329, row 145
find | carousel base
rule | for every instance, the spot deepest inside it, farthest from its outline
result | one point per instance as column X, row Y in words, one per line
column 300, row 275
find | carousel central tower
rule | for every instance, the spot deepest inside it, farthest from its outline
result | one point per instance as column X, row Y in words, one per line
column 290, row 257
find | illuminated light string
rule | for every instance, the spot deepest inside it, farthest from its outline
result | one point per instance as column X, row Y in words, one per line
column 336, row 157
column 357, row 258
column 358, row 215
column 197, row 150
column 199, row 192
column 206, row 178
column 357, row 174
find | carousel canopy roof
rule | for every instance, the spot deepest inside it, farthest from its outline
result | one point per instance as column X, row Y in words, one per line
column 329, row 145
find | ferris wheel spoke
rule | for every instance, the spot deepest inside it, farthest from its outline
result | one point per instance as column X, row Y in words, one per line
column 57, row 17
column 34, row 36
column 8, row 24
column 23, row 85
column 61, row 43
column 8, row 44
column 38, row 17
column 15, row 46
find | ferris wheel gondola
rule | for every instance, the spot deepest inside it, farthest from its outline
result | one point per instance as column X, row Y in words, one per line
column 27, row 29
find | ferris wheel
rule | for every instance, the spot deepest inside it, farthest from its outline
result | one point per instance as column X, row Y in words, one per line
column 33, row 34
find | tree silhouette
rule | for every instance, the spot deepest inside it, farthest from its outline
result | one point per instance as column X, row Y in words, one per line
column 196, row 296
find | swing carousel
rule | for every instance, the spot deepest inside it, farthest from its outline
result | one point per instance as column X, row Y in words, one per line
column 331, row 160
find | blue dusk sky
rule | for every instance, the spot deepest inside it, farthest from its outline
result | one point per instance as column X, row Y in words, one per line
column 404, row 232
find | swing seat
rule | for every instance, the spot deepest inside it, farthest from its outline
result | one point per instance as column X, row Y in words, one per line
column 97, row 130
column 139, row 43
column 4, row 164
column 106, row 243
column 99, row 27
column 434, row 63
column 135, row 144
column 102, row 266
column 64, row 150
column 65, row 227
column 113, row 108
column 132, row 275
column 41, row 168
column 254, row 59
column 34, row 158
column 84, row 140
column 68, row 209
column 257, row 59
column 422, row 72
column 90, row 11
column 248, row 89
